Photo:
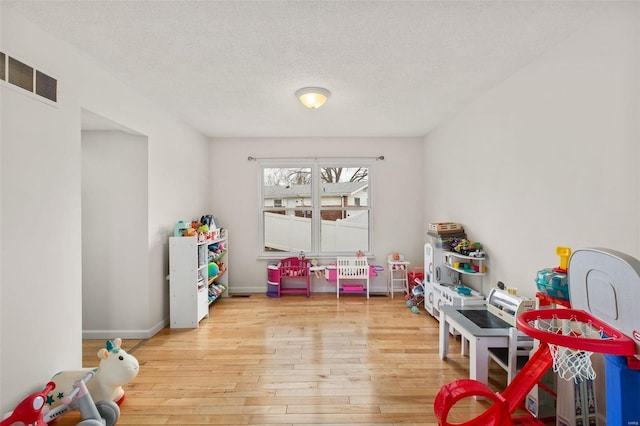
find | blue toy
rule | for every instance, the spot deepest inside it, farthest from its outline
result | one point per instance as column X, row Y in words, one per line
column 213, row 269
column 417, row 298
column 179, row 229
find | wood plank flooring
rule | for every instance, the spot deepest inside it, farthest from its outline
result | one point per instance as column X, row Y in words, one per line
column 295, row 361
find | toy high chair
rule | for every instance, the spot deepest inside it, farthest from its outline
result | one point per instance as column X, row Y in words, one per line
column 398, row 274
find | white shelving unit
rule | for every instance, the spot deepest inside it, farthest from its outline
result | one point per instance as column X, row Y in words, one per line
column 221, row 280
column 189, row 283
column 450, row 258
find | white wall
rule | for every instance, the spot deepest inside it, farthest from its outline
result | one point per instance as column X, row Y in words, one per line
column 549, row 157
column 40, row 292
column 397, row 224
column 115, row 235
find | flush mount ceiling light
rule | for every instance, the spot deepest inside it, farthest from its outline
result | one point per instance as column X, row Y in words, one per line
column 312, row 97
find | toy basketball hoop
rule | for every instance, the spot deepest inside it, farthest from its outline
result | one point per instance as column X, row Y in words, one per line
column 573, row 336
column 604, row 293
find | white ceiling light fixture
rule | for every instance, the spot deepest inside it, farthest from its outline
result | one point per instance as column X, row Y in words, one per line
column 313, row 97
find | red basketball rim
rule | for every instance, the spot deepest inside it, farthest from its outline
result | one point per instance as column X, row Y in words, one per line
column 615, row 342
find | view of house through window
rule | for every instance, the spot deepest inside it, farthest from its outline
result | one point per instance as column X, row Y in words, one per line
column 319, row 209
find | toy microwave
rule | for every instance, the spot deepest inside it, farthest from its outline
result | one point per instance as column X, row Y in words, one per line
column 508, row 306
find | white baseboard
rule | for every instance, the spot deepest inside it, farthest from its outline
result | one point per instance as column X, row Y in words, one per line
column 124, row 334
column 326, row 289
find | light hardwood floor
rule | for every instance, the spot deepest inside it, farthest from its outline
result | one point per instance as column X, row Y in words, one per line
column 295, row 361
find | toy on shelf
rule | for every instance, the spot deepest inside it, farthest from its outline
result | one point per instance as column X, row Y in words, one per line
column 211, row 221
column 554, row 282
column 468, row 248
column 215, row 291
column 214, row 269
column 116, row 369
column 216, row 250
column 180, row 229
column 441, row 228
column 203, row 231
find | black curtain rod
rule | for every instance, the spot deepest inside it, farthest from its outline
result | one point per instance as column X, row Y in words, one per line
column 250, row 158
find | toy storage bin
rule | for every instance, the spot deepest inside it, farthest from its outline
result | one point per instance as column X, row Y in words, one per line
column 273, row 273
column 273, row 280
column 445, row 241
column 441, row 228
column 553, row 284
column 330, row 273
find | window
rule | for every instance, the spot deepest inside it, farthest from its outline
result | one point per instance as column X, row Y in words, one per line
column 321, row 209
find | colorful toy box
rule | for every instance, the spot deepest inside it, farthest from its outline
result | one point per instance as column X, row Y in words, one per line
column 446, row 228
column 553, row 284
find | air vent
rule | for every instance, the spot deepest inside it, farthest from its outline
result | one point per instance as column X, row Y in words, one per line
column 2, row 67
column 46, row 86
column 27, row 78
column 20, row 74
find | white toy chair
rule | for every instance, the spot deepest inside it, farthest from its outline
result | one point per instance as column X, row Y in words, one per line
column 398, row 274
column 513, row 358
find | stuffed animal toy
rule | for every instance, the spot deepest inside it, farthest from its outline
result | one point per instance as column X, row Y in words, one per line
column 116, row 368
column 317, row 270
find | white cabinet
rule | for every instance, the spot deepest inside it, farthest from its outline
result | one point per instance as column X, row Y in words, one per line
column 190, row 287
column 434, row 267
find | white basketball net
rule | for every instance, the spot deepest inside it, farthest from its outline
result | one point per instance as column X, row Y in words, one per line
column 571, row 363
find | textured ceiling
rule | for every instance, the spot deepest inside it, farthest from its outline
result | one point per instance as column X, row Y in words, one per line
column 230, row 68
